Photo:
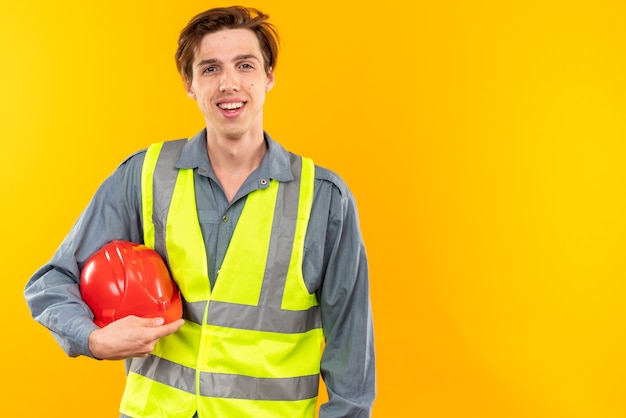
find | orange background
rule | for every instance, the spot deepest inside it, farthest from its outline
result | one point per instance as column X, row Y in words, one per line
column 484, row 142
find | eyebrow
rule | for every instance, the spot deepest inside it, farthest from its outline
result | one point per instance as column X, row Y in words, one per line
column 240, row 57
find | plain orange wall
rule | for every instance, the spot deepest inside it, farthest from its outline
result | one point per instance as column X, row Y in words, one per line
column 485, row 144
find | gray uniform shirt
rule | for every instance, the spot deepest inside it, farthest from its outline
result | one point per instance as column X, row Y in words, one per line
column 334, row 266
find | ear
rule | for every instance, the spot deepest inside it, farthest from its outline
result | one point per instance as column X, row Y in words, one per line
column 270, row 80
column 190, row 91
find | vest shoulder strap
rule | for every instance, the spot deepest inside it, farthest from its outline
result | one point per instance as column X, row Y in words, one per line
column 157, row 181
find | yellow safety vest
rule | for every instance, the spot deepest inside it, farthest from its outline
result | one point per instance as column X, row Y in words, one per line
column 251, row 346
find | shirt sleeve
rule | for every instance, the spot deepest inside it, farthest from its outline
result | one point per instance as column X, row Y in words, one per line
column 52, row 293
column 348, row 361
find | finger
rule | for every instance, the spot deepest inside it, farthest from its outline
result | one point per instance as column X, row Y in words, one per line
column 154, row 328
column 168, row 329
column 159, row 321
column 138, row 321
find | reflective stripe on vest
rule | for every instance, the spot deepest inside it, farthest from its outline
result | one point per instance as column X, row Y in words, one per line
column 250, row 346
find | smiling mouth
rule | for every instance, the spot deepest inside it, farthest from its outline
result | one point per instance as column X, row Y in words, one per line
column 231, row 106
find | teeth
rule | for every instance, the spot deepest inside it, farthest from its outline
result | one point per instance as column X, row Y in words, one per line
column 230, row 106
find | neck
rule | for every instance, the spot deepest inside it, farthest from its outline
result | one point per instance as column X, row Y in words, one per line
column 233, row 155
column 233, row 160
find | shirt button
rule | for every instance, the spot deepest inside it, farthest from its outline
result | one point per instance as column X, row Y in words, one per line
column 263, row 182
column 225, row 218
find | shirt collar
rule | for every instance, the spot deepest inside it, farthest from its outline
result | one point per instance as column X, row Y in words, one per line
column 275, row 164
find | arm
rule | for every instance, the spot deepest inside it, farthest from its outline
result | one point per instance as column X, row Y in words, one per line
column 52, row 293
column 348, row 361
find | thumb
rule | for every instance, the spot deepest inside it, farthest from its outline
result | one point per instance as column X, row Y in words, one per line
column 141, row 321
column 170, row 328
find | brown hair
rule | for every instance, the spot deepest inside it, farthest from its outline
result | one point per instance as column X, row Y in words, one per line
column 214, row 20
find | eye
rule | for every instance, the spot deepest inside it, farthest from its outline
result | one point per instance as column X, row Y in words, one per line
column 210, row 69
column 246, row 66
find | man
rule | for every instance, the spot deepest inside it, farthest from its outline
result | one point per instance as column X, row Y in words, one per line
column 264, row 245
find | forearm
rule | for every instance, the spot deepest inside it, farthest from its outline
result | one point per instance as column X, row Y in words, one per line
column 54, row 299
column 349, row 397
column 348, row 362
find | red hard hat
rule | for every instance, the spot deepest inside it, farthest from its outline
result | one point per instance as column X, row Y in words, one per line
column 125, row 278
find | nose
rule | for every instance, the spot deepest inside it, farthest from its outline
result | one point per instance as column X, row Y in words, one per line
column 229, row 81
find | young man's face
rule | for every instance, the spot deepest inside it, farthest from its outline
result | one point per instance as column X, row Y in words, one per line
column 230, row 83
